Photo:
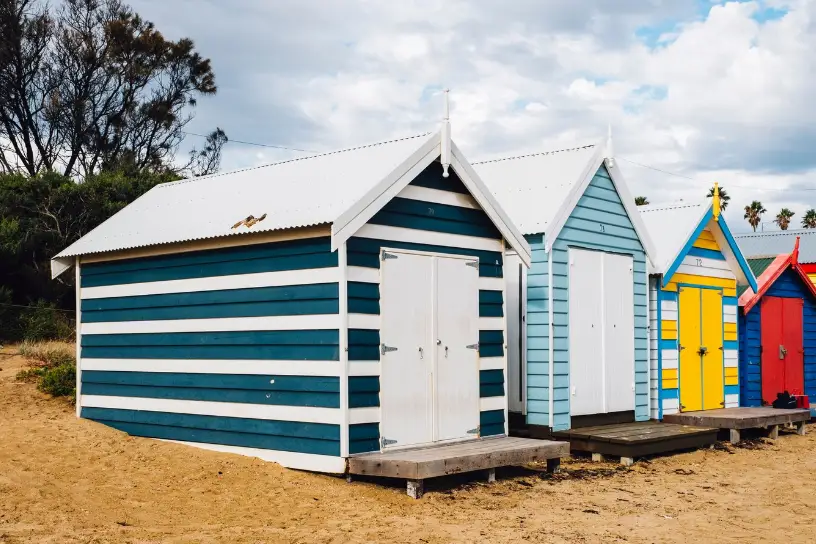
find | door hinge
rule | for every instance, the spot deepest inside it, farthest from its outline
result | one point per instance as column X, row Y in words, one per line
column 386, row 442
column 385, row 349
column 477, row 430
column 474, row 264
column 472, row 346
column 385, row 255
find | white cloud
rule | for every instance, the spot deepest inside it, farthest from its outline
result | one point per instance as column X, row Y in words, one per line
column 724, row 95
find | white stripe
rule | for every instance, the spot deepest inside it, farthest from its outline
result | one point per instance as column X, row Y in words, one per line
column 364, row 415
column 671, row 404
column 668, row 306
column 304, row 414
column 364, row 368
column 492, row 403
column 710, row 272
column 491, row 284
column 363, row 274
column 399, row 234
column 730, row 310
column 491, row 363
column 731, row 401
column 363, row 321
column 216, row 283
column 491, row 323
column 729, row 318
column 668, row 315
column 731, row 358
column 266, row 323
column 667, row 362
column 211, row 366
column 450, row 198
column 288, row 459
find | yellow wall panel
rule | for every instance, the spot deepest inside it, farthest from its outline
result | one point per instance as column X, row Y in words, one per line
column 705, row 244
column 670, row 384
column 668, row 330
column 731, row 376
column 729, row 286
column 669, row 374
column 730, row 327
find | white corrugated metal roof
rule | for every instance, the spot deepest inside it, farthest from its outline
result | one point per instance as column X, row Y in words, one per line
column 295, row 193
column 533, row 188
column 670, row 226
column 771, row 244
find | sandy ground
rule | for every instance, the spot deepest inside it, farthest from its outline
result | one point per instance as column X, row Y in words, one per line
column 69, row 480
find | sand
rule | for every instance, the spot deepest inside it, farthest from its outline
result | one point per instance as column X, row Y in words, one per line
column 68, row 480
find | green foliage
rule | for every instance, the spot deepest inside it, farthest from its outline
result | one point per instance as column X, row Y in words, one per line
column 641, row 201
column 753, row 213
column 783, row 218
column 724, row 197
column 41, row 216
column 809, row 219
column 53, row 367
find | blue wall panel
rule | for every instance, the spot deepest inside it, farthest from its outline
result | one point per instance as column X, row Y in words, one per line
column 599, row 205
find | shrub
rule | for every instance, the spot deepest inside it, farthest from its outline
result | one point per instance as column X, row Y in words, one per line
column 44, row 322
column 53, row 367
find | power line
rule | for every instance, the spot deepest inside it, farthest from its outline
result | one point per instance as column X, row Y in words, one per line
column 231, row 140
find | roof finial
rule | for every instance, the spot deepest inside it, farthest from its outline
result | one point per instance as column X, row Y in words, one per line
column 715, row 201
column 610, row 151
column 445, row 134
column 795, row 254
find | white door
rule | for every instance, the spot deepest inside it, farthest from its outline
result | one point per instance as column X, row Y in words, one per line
column 516, row 308
column 619, row 333
column 406, row 314
column 457, row 351
column 586, row 332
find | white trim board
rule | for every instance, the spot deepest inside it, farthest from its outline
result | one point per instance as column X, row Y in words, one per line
column 288, row 459
column 306, row 414
column 265, row 323
column 308, row 276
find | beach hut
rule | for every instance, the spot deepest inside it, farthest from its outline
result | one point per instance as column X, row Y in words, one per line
column 304, row 311
column 693, row 313
column 777, row 336
column 769, row 245
column 579, row 346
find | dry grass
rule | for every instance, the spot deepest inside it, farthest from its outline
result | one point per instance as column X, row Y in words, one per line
column 52, row 365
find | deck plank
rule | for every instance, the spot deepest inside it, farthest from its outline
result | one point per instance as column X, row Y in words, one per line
column 740, row 418
column 440, row 460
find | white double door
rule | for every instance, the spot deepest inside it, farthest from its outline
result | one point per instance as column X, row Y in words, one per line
column 601, row 333
column 429, row 353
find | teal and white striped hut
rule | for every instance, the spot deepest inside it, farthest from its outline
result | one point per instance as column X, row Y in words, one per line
column 303, row 311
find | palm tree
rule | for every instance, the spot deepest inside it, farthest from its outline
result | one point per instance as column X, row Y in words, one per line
column 644, row 201
column 753, row 213
column 809, row 219
column 724, row 198
column 783, row 218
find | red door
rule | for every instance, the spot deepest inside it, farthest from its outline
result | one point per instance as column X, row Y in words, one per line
column 782, row 347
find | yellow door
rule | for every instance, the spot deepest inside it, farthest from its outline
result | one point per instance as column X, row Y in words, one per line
column 689, row 335
column 712, row 335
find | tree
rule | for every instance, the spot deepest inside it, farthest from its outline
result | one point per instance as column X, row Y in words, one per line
column 724, row 198
column 89, row 85
column 753, row 213
column 641, row 201
column 809, row 219
column 783, row 218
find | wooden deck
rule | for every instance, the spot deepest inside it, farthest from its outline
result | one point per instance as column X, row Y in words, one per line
column 631, row 440
column 416, row 465
column 738, row 419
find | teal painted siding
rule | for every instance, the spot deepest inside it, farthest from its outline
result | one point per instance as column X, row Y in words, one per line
column 600, row 205
column 363, row 298
column 232, row 347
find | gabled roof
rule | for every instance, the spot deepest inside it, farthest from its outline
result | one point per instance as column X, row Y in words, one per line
column 675, row 227
column 539, row 191
column 343, row 188
column 773, row 243
column 774, row 270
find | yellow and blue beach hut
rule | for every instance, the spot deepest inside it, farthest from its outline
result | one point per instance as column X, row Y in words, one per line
column 693, row 308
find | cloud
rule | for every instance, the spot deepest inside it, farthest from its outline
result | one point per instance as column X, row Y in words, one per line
column 711, row 90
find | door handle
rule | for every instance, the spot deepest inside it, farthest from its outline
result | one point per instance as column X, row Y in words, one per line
column 782, row 351
column 446, row 352
column 421, row 353
column 702, row 351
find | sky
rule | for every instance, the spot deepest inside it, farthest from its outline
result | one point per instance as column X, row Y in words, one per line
column 697, row 90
